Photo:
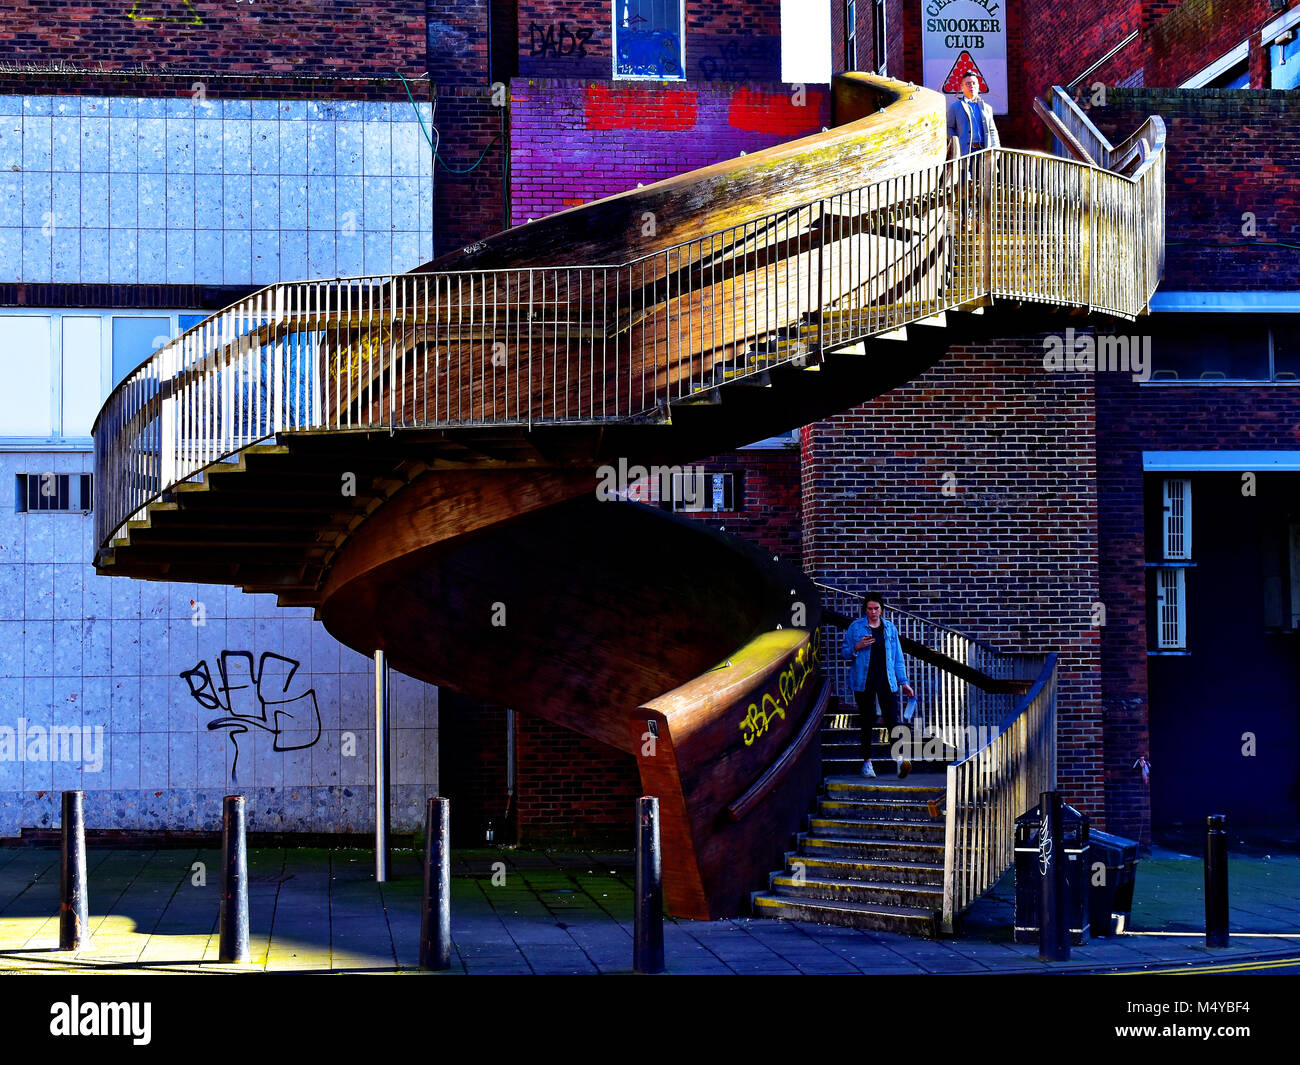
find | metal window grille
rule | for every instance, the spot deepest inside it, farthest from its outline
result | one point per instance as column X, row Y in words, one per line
column 53, row 492
column 1177, row 519
column 1171, row 608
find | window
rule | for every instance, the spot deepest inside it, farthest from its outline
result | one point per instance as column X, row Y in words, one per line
column 134, row 340
column 1170, row 576
column 1216, row 348
column 1231, row 71
column 882, row 54
column 648, row 39
column 1171, row 609
column 851, row 35
column 60, row 366
column 1281, row 42
column 1176, row 524
column 27, row 362
column 696, row 492
column 53, row 491
column 1280, row 556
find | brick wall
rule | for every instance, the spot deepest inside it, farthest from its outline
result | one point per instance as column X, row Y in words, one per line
column 726, row 40
column 574, row 142
column 1229, row 153
column 287, row 37
column 1009, row 554
column 572, row 789
column 768, row 490
column 1197, row 32
column 1131, row 420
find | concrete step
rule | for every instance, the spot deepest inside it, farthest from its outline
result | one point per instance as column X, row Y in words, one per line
column 888, row 850
column 876, row 871
column 907, row 920
column 882, row 892
column 876, row 810
column 920, row 786
column 909, row 831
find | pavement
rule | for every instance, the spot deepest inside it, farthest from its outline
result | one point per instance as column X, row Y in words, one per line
column 524, row 912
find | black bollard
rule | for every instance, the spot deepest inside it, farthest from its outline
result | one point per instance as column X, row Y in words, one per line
column 435, row 915
column 648, row 939
column 1054, row 927
column 1216, row 881
column 74, row 903
column 234, row 881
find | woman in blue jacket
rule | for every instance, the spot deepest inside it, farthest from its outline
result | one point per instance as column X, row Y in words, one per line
column 877, row 673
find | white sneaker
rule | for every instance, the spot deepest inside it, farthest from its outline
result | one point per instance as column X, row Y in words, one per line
column 868, row 770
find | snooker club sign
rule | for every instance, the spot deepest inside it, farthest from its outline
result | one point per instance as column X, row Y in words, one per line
column 958, row 36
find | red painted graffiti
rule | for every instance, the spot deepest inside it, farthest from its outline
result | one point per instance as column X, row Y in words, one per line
column 668, row 109
column 784, row 115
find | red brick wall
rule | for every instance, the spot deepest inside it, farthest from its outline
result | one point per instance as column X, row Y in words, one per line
column 769, row 491
column 1230, row 151
column 572, row 789
column 1011, row 555
column 472, row 768
column 473, row 137
column 1198, row 32
column 286, row 37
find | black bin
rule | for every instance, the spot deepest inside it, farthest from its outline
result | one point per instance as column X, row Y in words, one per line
column 1112, row 886
column 1074, row 838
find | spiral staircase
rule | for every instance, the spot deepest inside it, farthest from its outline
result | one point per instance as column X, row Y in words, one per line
column 417, row 457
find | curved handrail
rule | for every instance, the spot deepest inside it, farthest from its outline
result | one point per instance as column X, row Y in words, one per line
column 599, row 343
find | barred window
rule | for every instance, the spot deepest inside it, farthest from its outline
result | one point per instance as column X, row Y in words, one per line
column 53, row 491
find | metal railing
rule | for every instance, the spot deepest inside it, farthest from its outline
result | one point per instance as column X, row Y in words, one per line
column 623, row 342
column 992, row 786
column 1005, row 744
column 950, row 706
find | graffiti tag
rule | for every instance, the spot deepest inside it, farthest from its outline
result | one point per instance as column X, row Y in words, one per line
column 246, row 694
column 763, row 713
column 558, row 41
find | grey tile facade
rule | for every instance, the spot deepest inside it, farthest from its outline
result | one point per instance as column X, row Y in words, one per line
column 208, row 191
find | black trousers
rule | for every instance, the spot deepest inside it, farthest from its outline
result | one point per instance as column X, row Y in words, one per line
column 866, row 701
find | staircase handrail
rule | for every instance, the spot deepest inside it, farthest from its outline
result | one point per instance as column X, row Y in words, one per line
column 990, row 787
column 262, row 366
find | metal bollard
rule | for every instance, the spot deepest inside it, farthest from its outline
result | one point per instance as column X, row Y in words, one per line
column 74, row 903
column 234, row 881
column 648, row 938
column 1216, row 881
column 435, row 914
column 1054, row 926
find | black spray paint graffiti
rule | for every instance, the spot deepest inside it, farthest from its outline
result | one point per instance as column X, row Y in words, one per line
column 245, row 694
column 558, row 41
column 734, row 61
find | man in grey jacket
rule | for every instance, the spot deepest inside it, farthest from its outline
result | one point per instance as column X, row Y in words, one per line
column 970, row 119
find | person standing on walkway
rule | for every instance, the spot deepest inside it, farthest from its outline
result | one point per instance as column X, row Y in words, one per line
column 970, row 119
column 877, row 672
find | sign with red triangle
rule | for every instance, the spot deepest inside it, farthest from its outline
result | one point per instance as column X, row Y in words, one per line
column 964, row 65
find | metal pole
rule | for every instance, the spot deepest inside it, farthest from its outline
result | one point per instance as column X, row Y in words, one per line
column 1216, row 881
column 1054, row 921
column 648, row 938
column 435, row 915
column 382, row 781
column 234, row 881
column 74, row 903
